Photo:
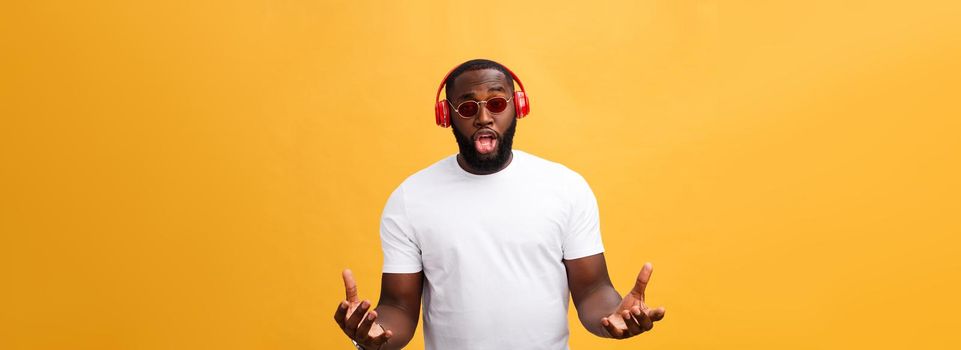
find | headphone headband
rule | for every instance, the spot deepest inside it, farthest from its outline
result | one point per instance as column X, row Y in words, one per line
column 444, row 82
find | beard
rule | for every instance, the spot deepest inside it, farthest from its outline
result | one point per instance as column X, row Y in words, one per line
column 486, row 162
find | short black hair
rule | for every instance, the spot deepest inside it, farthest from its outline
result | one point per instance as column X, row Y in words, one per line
column 472, row 65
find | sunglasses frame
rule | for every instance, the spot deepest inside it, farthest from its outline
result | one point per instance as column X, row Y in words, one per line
column 457, row 108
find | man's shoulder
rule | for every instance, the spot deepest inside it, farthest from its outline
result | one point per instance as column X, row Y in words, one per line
column 432, row 173
column 546, row 167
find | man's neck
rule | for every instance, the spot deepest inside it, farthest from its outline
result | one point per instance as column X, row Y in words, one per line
column 463, row 165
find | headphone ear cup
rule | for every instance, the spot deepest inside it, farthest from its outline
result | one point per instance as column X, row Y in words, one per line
column 442, row 114
column 521, row 104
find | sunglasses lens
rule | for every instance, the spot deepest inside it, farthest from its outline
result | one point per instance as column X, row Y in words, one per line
column 497, row 104
column 467, row 109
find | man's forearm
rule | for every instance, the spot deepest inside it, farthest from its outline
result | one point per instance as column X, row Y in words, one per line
column 402, row 323
column 597, row 304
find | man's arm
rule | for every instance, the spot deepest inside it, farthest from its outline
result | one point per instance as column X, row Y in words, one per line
column 594, row 295
column 399, row 307
column 394, row 320
column 600, row 308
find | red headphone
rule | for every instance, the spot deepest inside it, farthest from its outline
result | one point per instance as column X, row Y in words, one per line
column 442, row 113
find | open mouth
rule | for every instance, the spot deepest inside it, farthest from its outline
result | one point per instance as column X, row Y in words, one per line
column 485, row 141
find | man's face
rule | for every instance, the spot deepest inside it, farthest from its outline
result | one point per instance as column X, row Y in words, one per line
column 484, row 139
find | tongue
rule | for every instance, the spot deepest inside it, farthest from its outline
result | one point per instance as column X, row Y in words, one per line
column 485, row 145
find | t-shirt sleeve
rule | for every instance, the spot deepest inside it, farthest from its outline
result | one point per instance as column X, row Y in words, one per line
column 583, row 236
column 401, row 250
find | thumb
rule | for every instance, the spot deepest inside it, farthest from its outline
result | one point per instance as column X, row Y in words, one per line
column 350, row 286
column 642, row 279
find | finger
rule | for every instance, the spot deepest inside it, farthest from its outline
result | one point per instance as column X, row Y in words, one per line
column 350, row 286
column 611, row 329
column 633, row 328
column 637, row 305
column 382, row 338
column 642, row 279
column 341, row 315
column 656, row 314
column 362, row 335
column 376, row 329
column 356, row 317
column 643, row 320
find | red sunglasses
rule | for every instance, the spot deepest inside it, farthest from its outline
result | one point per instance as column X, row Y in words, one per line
column 468, row 109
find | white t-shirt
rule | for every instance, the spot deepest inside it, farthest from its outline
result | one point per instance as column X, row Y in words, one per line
column 491, row 248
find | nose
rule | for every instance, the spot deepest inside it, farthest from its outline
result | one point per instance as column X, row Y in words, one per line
column 484, row 117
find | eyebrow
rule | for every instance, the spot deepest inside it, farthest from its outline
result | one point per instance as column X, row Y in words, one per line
column 470, row 95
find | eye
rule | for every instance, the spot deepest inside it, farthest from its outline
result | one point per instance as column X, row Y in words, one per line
column 467, row 109
column 497, row 104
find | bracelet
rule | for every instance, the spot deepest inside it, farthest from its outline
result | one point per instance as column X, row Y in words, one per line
column 357, row 345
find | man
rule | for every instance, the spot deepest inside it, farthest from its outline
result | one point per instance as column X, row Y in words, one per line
column 493, row 240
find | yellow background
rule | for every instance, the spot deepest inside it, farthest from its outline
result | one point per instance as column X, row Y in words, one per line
column 195, row 174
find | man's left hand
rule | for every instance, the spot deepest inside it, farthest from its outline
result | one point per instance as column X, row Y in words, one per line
column 633, row 317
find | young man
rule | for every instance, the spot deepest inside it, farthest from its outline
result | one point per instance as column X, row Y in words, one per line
column 493, row 240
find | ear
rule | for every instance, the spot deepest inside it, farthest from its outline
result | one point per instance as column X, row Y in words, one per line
column 442, row 114
column 521, row 104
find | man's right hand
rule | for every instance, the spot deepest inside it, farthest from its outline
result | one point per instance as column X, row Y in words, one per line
column 350, row 316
